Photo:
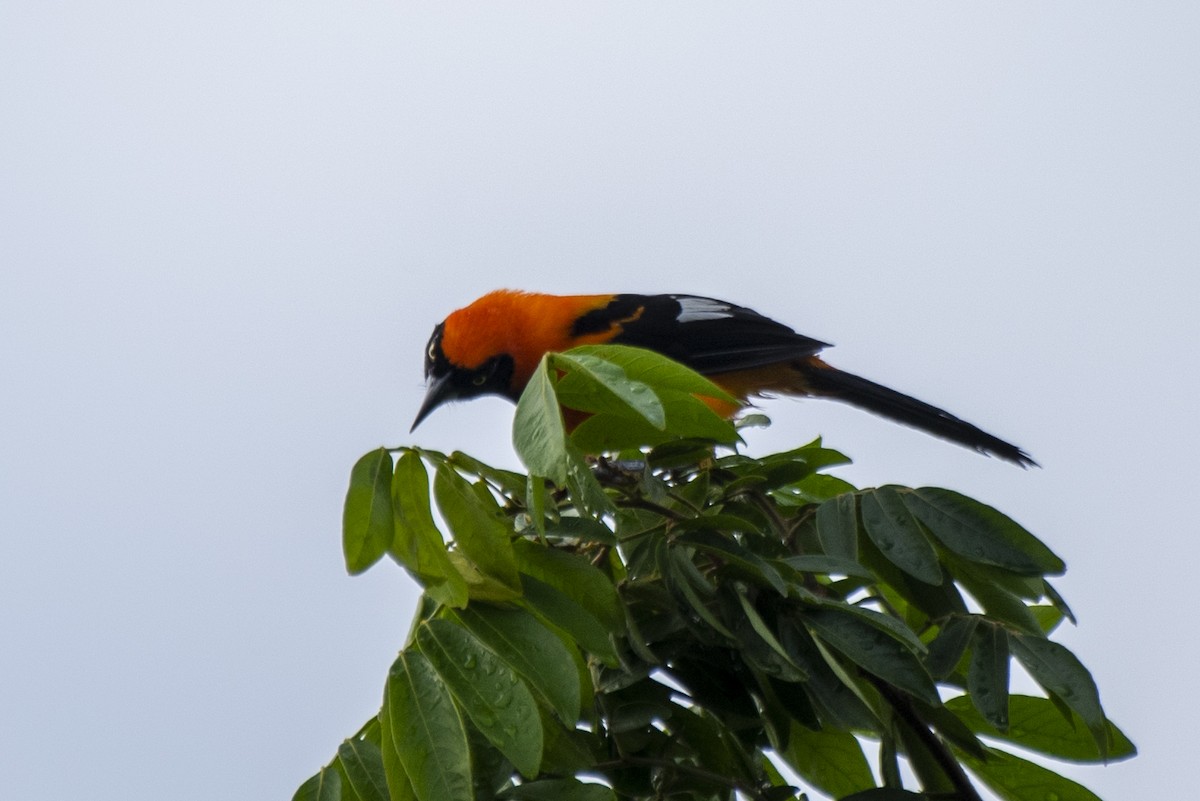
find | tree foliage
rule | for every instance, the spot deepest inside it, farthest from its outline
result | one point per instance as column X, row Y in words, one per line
column 688, row 623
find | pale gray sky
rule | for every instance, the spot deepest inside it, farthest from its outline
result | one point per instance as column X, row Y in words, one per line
column 226, row 231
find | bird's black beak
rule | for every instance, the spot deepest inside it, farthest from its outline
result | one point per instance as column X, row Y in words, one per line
column 441, row 389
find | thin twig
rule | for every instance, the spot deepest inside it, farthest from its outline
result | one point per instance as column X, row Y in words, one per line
column 965, row 791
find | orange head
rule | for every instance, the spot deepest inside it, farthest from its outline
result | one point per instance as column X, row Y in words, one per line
column 492, row 346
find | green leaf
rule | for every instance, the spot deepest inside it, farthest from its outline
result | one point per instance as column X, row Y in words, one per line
column 817, row 488
column 585, row 489
column 1059, row 602
column 488, row 690
column 873, row 649
column 560, row 790
column 417, row 544
column 565, row 751
column 533, row 651
column 592, row 384
column 714, row 745
column 1060, row 672
column 828, row 565
column 980, row 533
column 782, row 667
column 830, row 760
column 363, row 764
column 509, row 482
column 749, row 564
column 426, row 731
column 885, row 623
column 1036, row 723
column 950, row 644
column 482, row 535
column 367, row 516
column 575, row 577
column 886, row 794
column 325, row 786
column 539, row 434
column 580, row 529
column 563, row 612
column 895, row 532
column 998, row 602
column 399, row 787
column 657, row 370
column 1016, row 779
column 1047, row 617
column 987, row 676
column 682, row 576
column 686, row 416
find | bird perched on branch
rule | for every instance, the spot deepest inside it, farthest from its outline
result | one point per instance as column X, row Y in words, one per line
column 494, row 345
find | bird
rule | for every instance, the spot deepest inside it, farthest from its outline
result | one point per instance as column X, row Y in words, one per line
column 494, row 345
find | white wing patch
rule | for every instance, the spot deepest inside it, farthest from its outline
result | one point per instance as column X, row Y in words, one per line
column 694, row 309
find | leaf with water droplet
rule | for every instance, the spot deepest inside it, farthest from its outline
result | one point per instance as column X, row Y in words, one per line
column 534, row 653
column 503, row 709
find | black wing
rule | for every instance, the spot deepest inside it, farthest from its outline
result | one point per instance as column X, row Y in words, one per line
column 710, row 336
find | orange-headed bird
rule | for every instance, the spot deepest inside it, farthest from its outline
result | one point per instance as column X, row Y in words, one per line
column 493, row 346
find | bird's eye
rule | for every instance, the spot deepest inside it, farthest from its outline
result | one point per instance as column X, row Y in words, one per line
column 431, row 354
column 479, row 380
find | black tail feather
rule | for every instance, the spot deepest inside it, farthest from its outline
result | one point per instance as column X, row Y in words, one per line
column 826, row 381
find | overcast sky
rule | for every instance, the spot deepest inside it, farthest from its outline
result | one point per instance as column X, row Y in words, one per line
column 227, row 229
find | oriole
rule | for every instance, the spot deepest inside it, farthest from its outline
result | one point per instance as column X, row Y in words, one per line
column 493, row 346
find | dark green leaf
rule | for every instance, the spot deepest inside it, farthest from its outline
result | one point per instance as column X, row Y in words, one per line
column 987, row 677
column 886, row 794
column 1016, row 779
column 426, row 731
column 482, row 535
column 560, row 790
column 980, row 533
column 896, row 533
column 828, row 565
column 886, row 623
column 566, row 750
column 950, row 644
column 367, row 516
column 581, row 529
column 573, row 576
column 399, row 787
column 715, row 746
column 873, row 649
column 488, row 690
column 325, row 786
column 363, row 764
column 1059, row 602
column 1059, row 671
column 681, row 574
column 1036, row 724
column 749, row 564
column 830, row 760
column 533, row 651
column 783, row 667
column 563, row 612
column 998, row 602
column 417, row 544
